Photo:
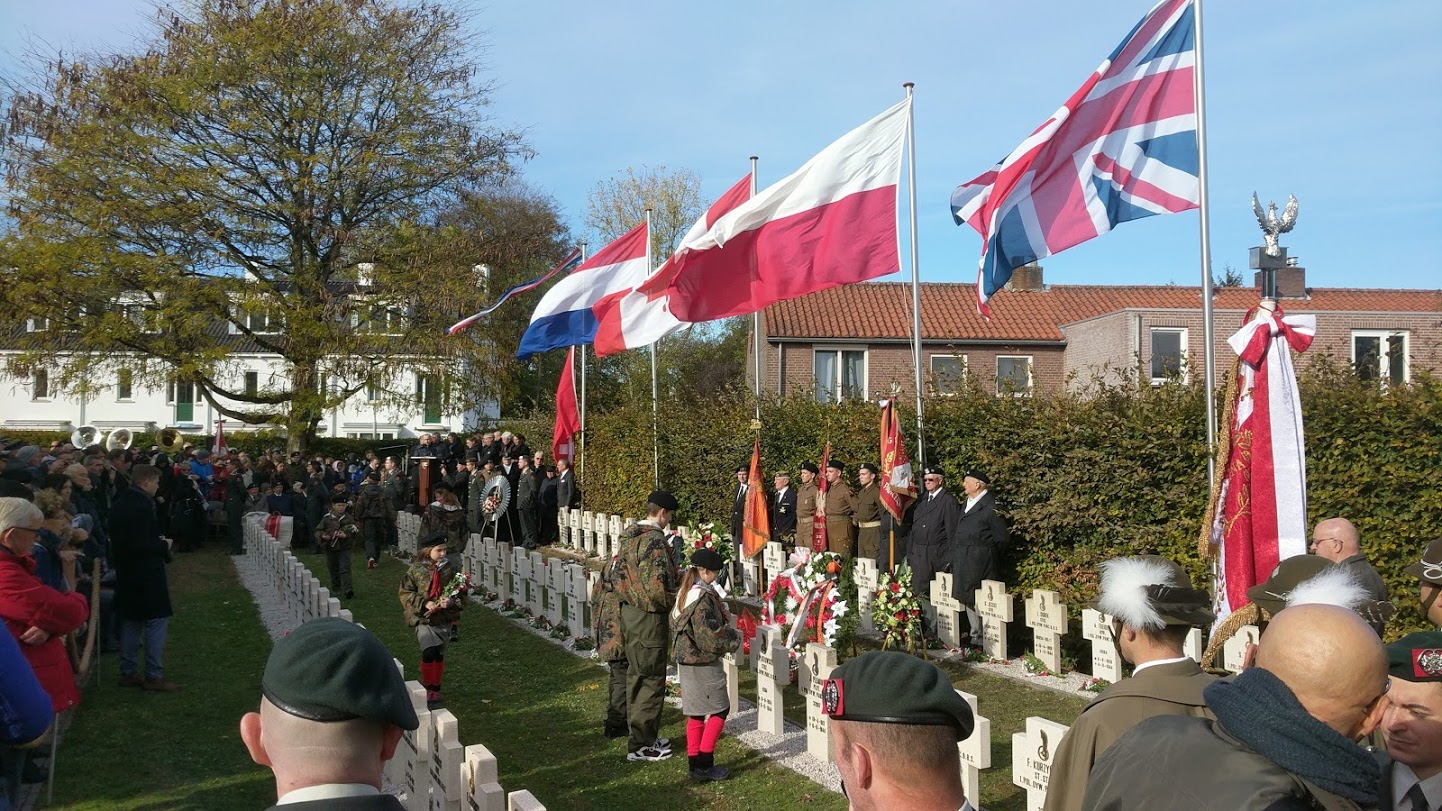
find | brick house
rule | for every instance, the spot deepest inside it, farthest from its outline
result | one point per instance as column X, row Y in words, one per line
column 855, row 340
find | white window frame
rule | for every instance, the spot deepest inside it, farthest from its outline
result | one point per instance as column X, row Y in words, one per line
column 273, row 322
column 837, row 395
column 1152, row 352
column 37, row 324
column 1030, row 376
column 1384, row 373
column 395, row 319
column 965, row 370
column 250, row 391
column 373, row 393
column 36, row 376
column 121, row 380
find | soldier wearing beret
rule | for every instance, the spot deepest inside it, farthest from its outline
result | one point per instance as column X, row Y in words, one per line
column 1154, row 607
column 646, row 585
column 1428, row 572
column 866, row 512
column 332, row 711
column 1412, row 724
column 895, row 722
column 840, row 531
column 977, row 544
column 806, row 504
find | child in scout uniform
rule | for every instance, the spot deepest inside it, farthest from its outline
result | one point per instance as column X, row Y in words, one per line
column 336, row 531
column 429, row 610
column 701, row 635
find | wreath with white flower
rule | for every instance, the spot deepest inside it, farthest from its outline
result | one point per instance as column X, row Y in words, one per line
column 805, row 600
column 896, row 610
column 708, row 538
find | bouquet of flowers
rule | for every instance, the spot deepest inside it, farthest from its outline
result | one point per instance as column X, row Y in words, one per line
column 719, row 543
column 492, row 502
column 896, row 611
column 458, row 587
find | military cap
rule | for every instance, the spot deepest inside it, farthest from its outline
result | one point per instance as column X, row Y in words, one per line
column 836, row 464
column 782, row 474
column 933, row 470
column 331, row 670
column 890, row 687
column 708, row 559
column 1429, row 568
column 1271, row 596
column 872, row 469
column 439, row 487
column 253, row 485
column 810, row 467
column 337, row 498
column 1416, row 657
column 434, row 539
column 1151, row 592
column 664, row 500
column 978, row 475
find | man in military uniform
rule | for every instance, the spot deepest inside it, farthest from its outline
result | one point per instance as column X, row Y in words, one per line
column 526, row 494
column 976, row 545
column 333, row 709
column 611, row 647
column 928, row 549
column 1154, row 607
column 783, row 512
column 475, row 496
column 866, row 506
column 1412, row 724
column 1428, row 572
column 335, row 534
column 840, row 532
column 895, row 721
column 806, row 505
column 646, row 586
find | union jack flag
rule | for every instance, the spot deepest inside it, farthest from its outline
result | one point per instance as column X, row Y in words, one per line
column 1123, row 147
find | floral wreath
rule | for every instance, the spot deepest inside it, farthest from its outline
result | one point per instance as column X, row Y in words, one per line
column 896, row 610
column 707, row 539
column 812, row 601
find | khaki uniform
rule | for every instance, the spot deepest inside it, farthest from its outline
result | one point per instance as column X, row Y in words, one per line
column 806, row 513
column 840, row 531
column 866, row 504
column 646, row 583
column 611, row 644
column 1169, row 689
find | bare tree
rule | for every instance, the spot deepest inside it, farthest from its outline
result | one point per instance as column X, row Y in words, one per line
column 618, row 203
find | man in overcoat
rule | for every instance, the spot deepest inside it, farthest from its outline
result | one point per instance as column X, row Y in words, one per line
column 142, row 592
column 976, row 545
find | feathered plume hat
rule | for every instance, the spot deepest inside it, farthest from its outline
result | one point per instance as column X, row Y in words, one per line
column 1149, row 592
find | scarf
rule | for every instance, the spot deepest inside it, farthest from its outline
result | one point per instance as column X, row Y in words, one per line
column 434, row 592
column 1260, row 711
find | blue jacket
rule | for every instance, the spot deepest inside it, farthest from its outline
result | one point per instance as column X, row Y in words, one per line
column 25, row 711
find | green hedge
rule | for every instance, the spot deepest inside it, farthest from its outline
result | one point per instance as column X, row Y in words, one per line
column 1082, row 478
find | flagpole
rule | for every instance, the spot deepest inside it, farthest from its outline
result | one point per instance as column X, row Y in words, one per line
column 655, row 411
column 756, row 320
column 1208, row 328
column 915, row 274
column 581, row 443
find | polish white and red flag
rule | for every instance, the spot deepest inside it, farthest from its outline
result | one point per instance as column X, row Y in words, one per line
column 568, row 416
column 832, row 222
column 1261, row 519
column 640, row 319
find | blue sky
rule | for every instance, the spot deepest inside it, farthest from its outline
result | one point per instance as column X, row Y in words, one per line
column 1336, row 102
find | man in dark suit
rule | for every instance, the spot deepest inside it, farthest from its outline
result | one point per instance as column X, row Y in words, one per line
column 928, row 549
column 142, row 593
column 738, row 504
column 527, row 498
column 568, row 495
column 783, row 511
column 976, row 544
column 333, row 709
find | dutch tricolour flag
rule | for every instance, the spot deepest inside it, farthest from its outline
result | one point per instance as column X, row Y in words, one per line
column 568, row 314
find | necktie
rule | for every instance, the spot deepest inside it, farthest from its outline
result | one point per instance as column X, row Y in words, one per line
column 1416, row 797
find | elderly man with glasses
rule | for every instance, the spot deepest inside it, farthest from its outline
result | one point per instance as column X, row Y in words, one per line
column 1337, row 540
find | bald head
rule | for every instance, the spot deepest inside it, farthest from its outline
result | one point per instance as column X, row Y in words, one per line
column 1336, row 540
column 1332, row 661
column 308, row 753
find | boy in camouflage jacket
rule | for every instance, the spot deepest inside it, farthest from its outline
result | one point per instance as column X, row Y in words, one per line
column 646, row 583
column 335, row 533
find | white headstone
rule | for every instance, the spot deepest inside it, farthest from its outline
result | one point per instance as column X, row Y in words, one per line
column 820, row 661
column 446, row 755
column 995, row 607
column 1046, row 616
column 520, row 576
column 733, row 681
column 555, row 592
column 867, row 580
column 948, row 609
column 1031, row 758
column 578, row 596
column 751, row 576
column 975, row 751
column 595, row 527
column 1106, row 661
column 1234, row 650
column 505, row 561
column 414, row 752
column 535, row 582
column 346, row 615
column 773, row 673
column 332, row 607
column 523, row 801
column 483, row 790
column 1194, row 646
column 575, row 537
column 773, row 557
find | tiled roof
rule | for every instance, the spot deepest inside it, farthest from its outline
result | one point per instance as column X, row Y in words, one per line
column 882, row 310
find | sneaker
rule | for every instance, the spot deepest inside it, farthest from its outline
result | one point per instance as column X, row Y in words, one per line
column 131, row 680
column 710, row 775
column 159, row 686
column 371, row 564
column 664, row 744
column 649, row 754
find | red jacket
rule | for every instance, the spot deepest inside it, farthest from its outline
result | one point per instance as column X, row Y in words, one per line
column 25, row 601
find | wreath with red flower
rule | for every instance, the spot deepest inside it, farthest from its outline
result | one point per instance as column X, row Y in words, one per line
column 707, row 538
column 805, row 600
column 896, row 610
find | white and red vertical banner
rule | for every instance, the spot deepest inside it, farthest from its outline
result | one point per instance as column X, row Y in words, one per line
column 219, row 447
column 818, row 529
column 898, row 487
column 568, row 415
column 1262, row 518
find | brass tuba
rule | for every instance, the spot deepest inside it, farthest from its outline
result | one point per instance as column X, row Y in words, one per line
column 85, row 436
column 170, row 441
column 119, row 439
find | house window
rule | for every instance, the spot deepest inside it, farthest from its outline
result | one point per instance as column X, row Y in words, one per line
column 1381, row 355
column 840, row 374
column 124, row 385
column 380, row 320
column 1013, row 375
column 373, row 392
column 252, row 383
column 263, row 322
column 428, row 396
column 40, row 384
column 1169, row 354
column 948, row 373
column 37, row 324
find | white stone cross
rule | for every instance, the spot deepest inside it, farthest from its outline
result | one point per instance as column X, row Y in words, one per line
column 1195, row 646
column 414, row 752
column 995, row 607
column 975, row 752
column 773, row 673
column 820, row 661
column 535, row 579
column 1234, row 650
column 867, row 581
column 483, row 790
column 523, row 801
column 578, row 599
column 948, row 609
column 1046, row 616
column 501, row 584
column 446, row 755
column 1031, row 757
column 750, row 575
column 1106, row 661
column 555, row 592
column 773, row 557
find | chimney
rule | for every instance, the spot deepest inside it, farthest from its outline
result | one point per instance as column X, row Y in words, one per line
column 1026, row 278
column 1291, row 280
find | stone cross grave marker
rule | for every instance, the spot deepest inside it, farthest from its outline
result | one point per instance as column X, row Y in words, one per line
column 588, row 529
column 995, row 607
column 523, row 801
column 948, row 609
column 520, row 576
column 1106, row 662
column 867, row 580
column 820, row 661
column 1234, row 650
column 501, row 582
column 975, row 752
column 332, row 607
column 322, row 602
column 471, row 559
column 576, row 530
column 483, row 790
column 773, row 557
column 733, row 681
column 1046, row 616
column 1194, row 645
column 536, row 578
column 415, row 753
column 577, row 599
column 346, row 615
column 446, row 754
column 1031, row 757
column 555, row 592
column 613, row 543
column 750, row 575
column 773, row 673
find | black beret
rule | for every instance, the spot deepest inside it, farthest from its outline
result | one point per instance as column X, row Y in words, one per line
column 253, row 484
column 811, row 467
column 836, row 463
column 933, row 470
column 978, row 475
column 873, row 469
column 1416, row 657
column 890, row 687
column 708, row 559
column 331, row 670
column 338, row 499
column 1429, row 568
column 664, row 500
column 433, row 539
column 439, row 487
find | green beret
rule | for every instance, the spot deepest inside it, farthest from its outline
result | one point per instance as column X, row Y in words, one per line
column 331, row 670
column 1416, row 657
column 890, row 687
